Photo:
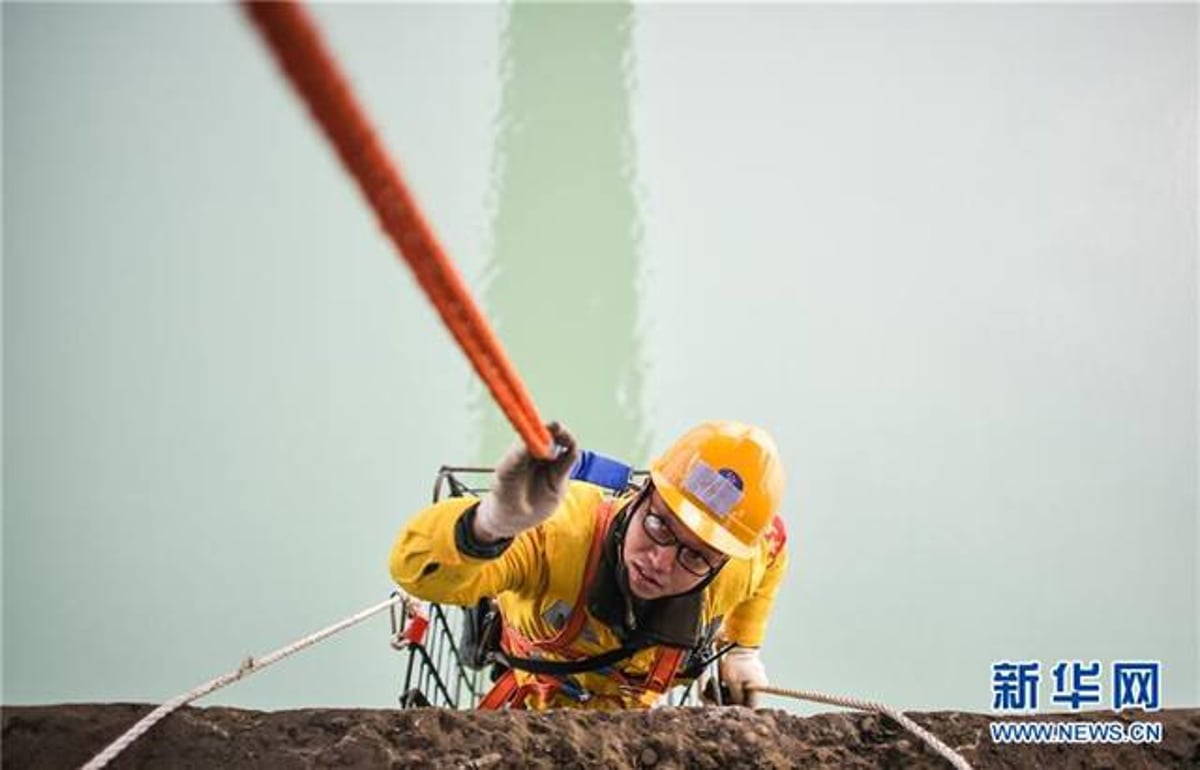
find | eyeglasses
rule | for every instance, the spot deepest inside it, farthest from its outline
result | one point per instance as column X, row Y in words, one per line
column 658, row 530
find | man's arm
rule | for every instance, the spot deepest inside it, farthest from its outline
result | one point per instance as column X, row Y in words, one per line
column 742, row 667
column 437, row 558
column 747, row 622
column 463, row 549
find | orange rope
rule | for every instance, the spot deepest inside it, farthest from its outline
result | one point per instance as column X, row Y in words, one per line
column 296, row 42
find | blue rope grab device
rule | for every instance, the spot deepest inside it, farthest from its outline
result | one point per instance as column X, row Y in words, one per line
column 602, row 471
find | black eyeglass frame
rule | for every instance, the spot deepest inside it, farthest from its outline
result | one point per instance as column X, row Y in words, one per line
column 672, row 539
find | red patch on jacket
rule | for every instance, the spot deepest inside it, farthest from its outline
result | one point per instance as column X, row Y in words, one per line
column 776, row 536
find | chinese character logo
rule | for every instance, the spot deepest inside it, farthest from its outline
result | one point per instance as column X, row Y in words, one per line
column 1074, row 683
column 1015, row 685
column 1135, row 685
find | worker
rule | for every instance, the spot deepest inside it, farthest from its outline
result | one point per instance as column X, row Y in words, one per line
column 607, row 601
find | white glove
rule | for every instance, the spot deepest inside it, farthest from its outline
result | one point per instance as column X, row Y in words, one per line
column 741, row 666
column 525, row 490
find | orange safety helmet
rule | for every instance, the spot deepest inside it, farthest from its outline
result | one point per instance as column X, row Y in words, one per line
column 724, row 480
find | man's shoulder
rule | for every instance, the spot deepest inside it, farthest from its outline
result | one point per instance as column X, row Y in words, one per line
column 740, row 576
column 578, row 512
column 583, row 494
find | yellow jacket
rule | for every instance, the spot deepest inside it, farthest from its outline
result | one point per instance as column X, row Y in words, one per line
column 538, row 579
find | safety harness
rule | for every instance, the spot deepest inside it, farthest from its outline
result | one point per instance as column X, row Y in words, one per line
column 518, row 652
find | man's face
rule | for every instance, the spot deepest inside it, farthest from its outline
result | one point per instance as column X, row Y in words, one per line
column 662, row 557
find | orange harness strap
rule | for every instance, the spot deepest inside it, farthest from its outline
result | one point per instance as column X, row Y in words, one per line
column 578, row 617
column 296, row 42
column 663, row 673
column 507, row 692
column 503, row 693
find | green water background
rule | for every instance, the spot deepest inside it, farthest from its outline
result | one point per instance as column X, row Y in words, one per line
column 946, row 254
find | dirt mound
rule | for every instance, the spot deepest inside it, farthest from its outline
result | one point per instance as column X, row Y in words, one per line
column 68, row 735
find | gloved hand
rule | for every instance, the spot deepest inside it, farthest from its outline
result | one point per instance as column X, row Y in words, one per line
column 525, row 489
column 742, row 666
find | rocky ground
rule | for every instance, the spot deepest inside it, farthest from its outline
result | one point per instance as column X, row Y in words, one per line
column 68, row 735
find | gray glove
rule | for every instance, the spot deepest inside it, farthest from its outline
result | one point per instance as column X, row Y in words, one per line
column 525, row 490
column 740, row 667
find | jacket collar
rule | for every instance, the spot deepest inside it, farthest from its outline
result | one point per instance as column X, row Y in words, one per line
column 671, row 620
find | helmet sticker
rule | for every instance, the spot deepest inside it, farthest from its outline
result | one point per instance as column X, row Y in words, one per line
column 719, row 491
